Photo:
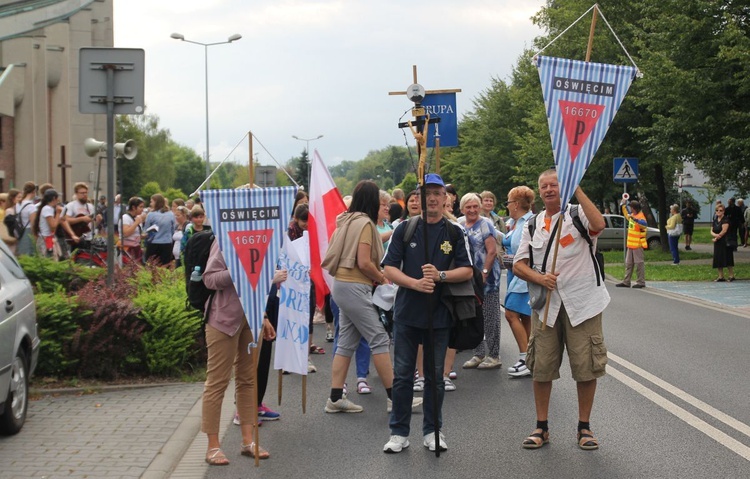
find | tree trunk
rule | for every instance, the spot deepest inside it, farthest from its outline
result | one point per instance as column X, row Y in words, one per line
column 662, row 205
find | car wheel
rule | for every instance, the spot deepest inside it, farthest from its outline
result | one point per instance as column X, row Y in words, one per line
column 17, row 402
column 654, row 243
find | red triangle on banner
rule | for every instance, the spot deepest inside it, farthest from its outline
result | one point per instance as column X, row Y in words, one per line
column 579, row 120
column 251, row 248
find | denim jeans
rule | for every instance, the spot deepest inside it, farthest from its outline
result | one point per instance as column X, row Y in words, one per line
column 407, row 340
column 362, row 356
column 674, row 242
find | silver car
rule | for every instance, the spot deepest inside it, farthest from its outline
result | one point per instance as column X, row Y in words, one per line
column 19, row 343
column 616, row 230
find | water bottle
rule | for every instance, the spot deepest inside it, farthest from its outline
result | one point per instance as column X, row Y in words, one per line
column 196, row 275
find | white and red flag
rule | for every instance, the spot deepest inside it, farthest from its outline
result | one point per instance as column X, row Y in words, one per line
column 581, row 100
column 326, row 204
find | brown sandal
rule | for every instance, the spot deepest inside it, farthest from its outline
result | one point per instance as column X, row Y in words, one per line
column 587, row 441
column 249, row 450
column 536, row 439
column 217, row 458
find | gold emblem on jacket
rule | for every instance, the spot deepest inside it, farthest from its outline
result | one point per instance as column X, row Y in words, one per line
column 446, row 247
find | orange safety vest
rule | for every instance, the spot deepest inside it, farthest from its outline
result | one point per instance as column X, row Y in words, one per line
column 636, row 232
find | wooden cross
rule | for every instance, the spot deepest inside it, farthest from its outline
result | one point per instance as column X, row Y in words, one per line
column 418, row 112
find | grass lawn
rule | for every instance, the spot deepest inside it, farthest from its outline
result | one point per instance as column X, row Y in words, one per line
column 615, row 257
column 681, row 272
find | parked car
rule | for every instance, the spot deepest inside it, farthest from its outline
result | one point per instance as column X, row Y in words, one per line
column 19, row 342
column 616, row 230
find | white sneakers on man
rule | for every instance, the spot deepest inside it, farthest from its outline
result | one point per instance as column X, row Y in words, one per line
column 396, row 444
column 342, row 405
column 429, row 442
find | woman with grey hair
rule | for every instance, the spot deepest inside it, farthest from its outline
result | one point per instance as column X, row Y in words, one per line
column 481, row 233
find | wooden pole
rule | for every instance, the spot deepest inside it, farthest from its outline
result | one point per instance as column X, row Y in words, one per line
column 591, row 33
column 304, row 394
column 250, row 162
column 281, row 376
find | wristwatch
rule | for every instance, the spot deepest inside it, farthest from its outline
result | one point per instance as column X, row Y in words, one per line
column 442, row 276
column 485, row 271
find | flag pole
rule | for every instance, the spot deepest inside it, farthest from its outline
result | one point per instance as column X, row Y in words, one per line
column 254, row 395
column 280, row 381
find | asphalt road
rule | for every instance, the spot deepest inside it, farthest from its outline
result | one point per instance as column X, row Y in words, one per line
column 674, row 404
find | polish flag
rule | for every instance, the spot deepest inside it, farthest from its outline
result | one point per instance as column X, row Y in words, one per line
column 326, row 204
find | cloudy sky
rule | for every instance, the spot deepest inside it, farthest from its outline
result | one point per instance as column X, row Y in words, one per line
column 310, row 68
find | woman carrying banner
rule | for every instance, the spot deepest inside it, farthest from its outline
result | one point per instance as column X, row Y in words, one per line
column 227, row 338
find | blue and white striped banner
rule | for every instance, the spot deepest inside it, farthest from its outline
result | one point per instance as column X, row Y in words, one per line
column 250, row 225
column 581, row 100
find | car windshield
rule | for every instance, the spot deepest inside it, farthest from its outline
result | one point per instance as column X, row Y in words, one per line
column 618, row 221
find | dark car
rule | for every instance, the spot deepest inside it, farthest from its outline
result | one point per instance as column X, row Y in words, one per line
column 19, row 343
column 616, row 230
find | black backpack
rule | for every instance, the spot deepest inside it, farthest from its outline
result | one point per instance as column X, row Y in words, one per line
column 13, row 223
column 196, row 253
column 596, row 257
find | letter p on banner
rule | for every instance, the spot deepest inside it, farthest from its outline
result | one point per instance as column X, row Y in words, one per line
column 581, row 100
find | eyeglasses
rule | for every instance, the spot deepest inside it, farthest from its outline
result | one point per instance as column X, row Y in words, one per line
column 511, row 201
column 719, row 210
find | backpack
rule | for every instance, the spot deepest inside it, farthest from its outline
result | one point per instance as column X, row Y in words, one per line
column 466, row 310
column 13, row 222
column 596, row 257
column 196, row 254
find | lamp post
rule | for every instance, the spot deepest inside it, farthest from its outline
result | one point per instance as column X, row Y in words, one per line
column 307, row 142
column 233, row 38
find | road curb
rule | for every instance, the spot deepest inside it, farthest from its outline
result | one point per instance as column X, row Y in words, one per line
column 41, row 392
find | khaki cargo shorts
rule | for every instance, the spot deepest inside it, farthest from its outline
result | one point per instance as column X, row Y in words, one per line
column 585, row 344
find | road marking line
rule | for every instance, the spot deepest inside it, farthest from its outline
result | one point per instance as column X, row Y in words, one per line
column 692, row 400
column 723, row 439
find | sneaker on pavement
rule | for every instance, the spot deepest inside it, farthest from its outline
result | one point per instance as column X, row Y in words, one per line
column 267, row 414
column 473, row 363
column 329, row 336
column 396, row 444
column 429, row 442
column 490, row 363
column 622, row 285
column 415, row 403
column 311, row 367
column 419, row 384
column 342, row 405
column 449, row 386
column 452, row 375
column 519, row 369
column 236, row 420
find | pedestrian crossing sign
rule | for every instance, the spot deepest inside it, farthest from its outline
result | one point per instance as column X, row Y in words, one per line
column 625, row 170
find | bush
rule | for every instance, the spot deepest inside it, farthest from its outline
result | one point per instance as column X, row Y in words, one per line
column 57, row 319
column 170, row 343
column 47, row 274
column 108, row 341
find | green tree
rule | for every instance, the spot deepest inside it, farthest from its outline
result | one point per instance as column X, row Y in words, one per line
column 149, row 189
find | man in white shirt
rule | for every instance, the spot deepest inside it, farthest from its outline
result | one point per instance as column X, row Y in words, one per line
column 578, row 298
column 80, row 214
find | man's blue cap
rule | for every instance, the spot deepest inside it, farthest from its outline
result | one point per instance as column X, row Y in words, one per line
column 433, row 179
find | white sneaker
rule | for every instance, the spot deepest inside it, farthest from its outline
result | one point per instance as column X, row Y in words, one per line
column 449, row 386
column 473, row 362
column 311, row 367
column 415, row 403
column 419, row 384
column 396, row 444
column 342, row 405
column 519, row 369
column 429, row 441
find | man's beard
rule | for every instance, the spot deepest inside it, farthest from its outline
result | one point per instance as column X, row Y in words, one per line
column 83, row 202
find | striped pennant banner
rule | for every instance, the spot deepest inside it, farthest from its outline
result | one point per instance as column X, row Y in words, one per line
column 581, row 100
column 250, row 225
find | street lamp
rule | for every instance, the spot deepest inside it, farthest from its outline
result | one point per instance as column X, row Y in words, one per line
column 307, row 142
column 233, row 38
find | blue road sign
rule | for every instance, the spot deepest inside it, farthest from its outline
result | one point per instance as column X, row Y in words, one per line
column 625, row 170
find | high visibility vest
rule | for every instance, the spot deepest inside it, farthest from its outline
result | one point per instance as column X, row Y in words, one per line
column 636, row 232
